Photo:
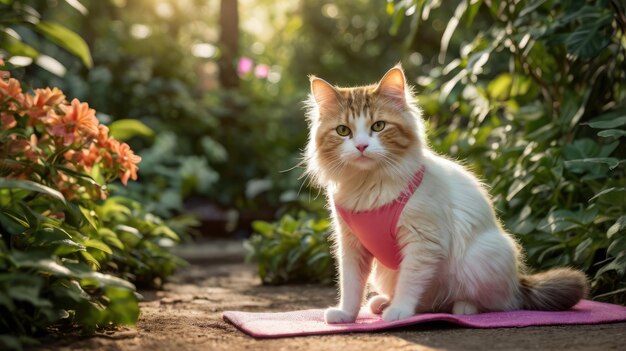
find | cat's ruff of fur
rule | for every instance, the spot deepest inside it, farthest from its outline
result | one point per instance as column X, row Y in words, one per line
column 456, row 256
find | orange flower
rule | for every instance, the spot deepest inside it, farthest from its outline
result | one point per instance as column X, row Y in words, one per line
column 8, row 121
column 103, row 136
column 43, row 101
column 128, row 161
column 11, row 88
column 47, row 98
column 77, row 119
column 3, row 74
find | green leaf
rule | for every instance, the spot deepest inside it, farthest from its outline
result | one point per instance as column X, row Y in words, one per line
column 616, row 227
column 123, row 307
column 612, row 133
column 125, row 129
column 67, row 246
column 500, row 87
column 605, row 124
column 606, row 191
column 618, row 265
column 263, row 228
column 66, row 39
column 517, row 186
column 99, row 280
column 45, row 265
column 110, row 238
column 97, row 244
column 617, row 245
column 16, row 47
column 90, row 259
column 612, row 162
column 166, row 231
column 581, row 249
column 589, row 38
column 31, row 186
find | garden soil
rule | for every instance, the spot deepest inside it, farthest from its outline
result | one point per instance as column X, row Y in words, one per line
column 186, row 315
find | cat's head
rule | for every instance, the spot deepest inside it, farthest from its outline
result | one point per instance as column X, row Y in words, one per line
column 362, row 129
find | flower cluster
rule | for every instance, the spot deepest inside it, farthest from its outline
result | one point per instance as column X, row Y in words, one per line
column 47, row 139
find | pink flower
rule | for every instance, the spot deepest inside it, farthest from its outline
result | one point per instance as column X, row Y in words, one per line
column 244, row 66
column 261, row 71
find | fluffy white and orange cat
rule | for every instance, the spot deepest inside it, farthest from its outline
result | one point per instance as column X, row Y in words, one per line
column 366, row 144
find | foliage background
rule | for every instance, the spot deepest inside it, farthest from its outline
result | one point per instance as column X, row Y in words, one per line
column 528, row 94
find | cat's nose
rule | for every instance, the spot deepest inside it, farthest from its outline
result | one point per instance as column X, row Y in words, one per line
column 362, row 147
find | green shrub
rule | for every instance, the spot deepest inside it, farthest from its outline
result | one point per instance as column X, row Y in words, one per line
column 535, row 103
column 68, row 254
column 292, row 250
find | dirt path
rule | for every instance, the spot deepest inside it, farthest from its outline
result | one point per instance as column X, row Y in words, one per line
column 187, row 316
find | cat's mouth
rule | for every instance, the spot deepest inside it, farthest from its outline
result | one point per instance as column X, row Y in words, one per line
column 363, row 158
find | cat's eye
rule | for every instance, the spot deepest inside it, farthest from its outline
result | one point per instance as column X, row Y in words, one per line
column 343, row 130
column 378, row 126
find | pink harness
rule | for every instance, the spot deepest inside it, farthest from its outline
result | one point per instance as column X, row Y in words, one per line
column 377, row 228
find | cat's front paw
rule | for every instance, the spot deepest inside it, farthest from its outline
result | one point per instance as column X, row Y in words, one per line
column 335, row 315
column 396, row 313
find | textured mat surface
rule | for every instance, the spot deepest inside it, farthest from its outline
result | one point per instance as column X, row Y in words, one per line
column 311, row 322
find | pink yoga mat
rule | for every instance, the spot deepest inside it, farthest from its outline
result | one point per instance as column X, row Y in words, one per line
column 311, row 322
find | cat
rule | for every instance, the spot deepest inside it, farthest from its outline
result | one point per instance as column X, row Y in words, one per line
column 368, row 150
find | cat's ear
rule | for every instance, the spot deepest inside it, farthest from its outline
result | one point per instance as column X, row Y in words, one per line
column 325, row 95
column 393, row 86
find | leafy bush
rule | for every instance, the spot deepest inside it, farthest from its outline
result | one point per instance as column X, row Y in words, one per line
column 535, row 103
column 60, row 242
column 23, row 16
column 292, row 250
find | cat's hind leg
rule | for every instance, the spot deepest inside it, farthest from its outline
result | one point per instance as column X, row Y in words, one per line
column 487, row 274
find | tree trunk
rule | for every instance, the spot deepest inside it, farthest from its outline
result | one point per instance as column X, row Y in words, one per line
column 229, row 43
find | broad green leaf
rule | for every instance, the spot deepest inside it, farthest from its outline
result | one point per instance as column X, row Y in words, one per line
column 609, row 161
column 612, row 133
column 589, row 38
column 607, row 124
column 31, row 186
column 66, row 246
column 618, row 265
column 517, row 186
column 97, row 244
column 90, row 259
column 78, row 6
column 100, row 280
column 499, row 87
column 616, row 227
column 125, row 129
column 581, row 249
column 123, row 307
column 165, row 231
column 16, row 47
column 606, row 191
column 46, row 265
column 109, row 237
column 617, row 245
column 66, row 39
column 531, row 7
column 263, row 228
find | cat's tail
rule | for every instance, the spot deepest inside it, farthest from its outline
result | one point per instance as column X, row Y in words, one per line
column 553, row 290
